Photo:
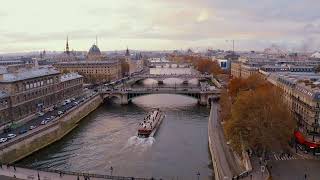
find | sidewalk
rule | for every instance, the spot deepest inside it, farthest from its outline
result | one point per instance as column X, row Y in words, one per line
column 27, row 174
column 256, row 173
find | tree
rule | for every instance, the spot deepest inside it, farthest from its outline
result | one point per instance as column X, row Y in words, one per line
column 260, row 120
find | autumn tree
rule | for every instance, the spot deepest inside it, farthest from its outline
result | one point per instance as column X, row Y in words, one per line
column 259, row 119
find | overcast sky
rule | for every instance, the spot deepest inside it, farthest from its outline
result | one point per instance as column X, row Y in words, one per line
column 31, row 25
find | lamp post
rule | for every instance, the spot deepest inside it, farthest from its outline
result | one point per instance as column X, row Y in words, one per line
column 111, row 170
column 198, row 175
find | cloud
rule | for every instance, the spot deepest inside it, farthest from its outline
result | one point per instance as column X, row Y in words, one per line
column 160, row 23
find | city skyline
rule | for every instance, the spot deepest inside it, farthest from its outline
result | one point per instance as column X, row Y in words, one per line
column 158, row 25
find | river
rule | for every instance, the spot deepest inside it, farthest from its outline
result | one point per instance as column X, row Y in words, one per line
column 107, row 137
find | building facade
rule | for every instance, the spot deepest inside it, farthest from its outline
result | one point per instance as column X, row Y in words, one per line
column 93, row 71
column 302, row 94
column 33, row 90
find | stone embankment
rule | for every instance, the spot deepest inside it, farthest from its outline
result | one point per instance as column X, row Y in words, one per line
column 36, row 139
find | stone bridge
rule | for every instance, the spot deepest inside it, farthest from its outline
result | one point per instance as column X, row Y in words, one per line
column 160, row 78
column 125, row 96
column 170, row 64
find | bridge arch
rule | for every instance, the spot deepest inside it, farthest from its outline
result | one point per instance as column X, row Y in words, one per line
column 135, row 95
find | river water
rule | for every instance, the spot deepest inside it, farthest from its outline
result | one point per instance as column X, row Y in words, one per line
column 107, row 137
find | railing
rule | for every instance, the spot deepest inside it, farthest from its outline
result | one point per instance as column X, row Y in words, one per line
column 87, row 174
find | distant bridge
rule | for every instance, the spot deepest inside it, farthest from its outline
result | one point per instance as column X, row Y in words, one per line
column 126, row 95
column 160, row 78
column 170, row 64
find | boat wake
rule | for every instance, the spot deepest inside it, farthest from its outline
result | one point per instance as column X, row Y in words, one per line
column 137, row 143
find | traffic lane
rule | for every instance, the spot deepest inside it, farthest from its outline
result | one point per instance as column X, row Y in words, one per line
column 294, row 169
column 37, row 121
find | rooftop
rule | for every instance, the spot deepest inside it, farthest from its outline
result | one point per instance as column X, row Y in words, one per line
column 89, row 62
column 70, row 76
column 306, row 83
column 28, row 74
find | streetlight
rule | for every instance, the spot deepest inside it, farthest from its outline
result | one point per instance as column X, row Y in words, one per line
column 198, row 175
column 111, row 170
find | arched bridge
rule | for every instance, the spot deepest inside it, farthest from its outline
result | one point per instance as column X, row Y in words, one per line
column 169, row 64
column 160, row 78
column 126, row 95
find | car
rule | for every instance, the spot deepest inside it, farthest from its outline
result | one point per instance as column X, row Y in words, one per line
column 11, row 136
column 60, row 112
column 40, row 114
column 48, row 119
column 2, row 140
column 22, row 131
column 64, row 103
column 43, row 122
column 73, row 99
column 52, row 117
column 32, row 127
column 51, row 109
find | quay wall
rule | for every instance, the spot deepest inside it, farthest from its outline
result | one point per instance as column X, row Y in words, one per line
column 25, row 145
column 218, row 174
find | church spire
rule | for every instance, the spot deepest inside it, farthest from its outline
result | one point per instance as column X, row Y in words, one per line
column 96, row 40
column 67, row 46
column 127, row 52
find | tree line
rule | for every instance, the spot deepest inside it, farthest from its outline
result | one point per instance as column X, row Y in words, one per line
column 202, row 64
column 255, row 115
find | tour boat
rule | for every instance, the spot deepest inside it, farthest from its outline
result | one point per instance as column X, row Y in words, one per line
column 151, row 123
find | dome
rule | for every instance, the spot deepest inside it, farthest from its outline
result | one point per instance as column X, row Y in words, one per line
column 94, row 50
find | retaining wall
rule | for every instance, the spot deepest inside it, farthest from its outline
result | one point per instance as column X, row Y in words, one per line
column 25, row 145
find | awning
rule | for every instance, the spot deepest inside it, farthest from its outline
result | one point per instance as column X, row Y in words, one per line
column 299, row 137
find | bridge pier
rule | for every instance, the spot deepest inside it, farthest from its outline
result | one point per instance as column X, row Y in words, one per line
column 203, row 99
column 124, row 99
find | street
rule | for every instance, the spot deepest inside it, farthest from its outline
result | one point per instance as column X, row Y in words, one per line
column 295, row 169
column 36, row 122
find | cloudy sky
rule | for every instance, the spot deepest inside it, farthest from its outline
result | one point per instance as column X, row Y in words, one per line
column 31, row 25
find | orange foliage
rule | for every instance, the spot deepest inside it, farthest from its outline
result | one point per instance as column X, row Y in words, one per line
column 256, row 115
column 202, row 64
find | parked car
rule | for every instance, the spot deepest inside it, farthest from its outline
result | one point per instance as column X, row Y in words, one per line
column 60, row 112
column 43, row 122
column 11, row 136
column 22, row 131
column 2, row 140
column 40, row 114
column 32, row 127
column 76, row 103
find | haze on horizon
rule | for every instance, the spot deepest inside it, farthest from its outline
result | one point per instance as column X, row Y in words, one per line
column 35, row 25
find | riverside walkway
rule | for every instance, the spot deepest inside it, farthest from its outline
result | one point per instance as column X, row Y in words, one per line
column 221, row 155
column 31, row 174
column 225, row 162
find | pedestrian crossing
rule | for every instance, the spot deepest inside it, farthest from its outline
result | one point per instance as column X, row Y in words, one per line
column 279, row 157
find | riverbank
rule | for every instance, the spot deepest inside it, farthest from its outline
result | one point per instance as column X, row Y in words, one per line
column 41, row 137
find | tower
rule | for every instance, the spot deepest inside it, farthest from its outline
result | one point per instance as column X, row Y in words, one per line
column 67, row 46
column 127, row 52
